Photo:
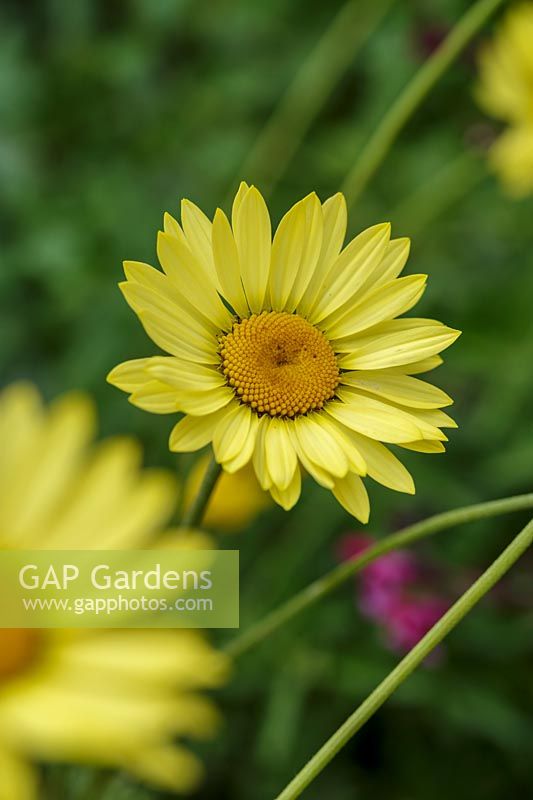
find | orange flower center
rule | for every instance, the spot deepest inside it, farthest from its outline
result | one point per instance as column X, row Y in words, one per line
column 279, row 364
column 18, row 648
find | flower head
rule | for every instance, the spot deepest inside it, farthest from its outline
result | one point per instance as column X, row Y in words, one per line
column 505, row 91
column 112, row 697
column 287, row 353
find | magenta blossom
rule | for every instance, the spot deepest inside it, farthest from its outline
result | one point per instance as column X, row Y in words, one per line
column 392, row 593
column 411, row 619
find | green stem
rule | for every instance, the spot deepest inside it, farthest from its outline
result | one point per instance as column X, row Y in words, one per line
column 408, row 664
column 194, row 514
column 308, row 92
column 337, row 576
column 412, row 96
column 444, row 189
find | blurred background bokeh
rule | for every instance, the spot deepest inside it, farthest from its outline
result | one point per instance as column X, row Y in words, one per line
column 111, row 112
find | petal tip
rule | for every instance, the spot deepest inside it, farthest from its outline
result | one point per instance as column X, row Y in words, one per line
column 111, row 375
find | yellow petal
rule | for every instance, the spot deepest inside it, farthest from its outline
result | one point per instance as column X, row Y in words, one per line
column 98, row 498
column 399, row 341
column 171, row 335
column 352, row 495
column 287, row 249
column 129, row 375
column 37, row 480
column 387, row 302
column 350, row 270
column 319, row 445
column 318, row 473
column 168, row 293
column 416, row 367
column 245, row 453
column 142, row 300
column 511, row 158
column 280, row 456
column 345, row 439
column 401, row 389
column 314, row 231
column 253, row 238
column 259, row 455
column 288, row 497
column 194, row 283
column 22, row 420
column 192, row 433
column 156, row 397
column 197, row 229
column 133, row 522
column 391, row 265
column 228, row 265
column 173, row 228
column 434, row 416
column 231, row 433
column 295, row 252
column 205, row 402
column 374, row 419
column 424, row 446
column 335, row 218
column 17, row 778
column 185, row 375
column 412, row 415
column 383, row 466
column 167, row 767
column 241, row 192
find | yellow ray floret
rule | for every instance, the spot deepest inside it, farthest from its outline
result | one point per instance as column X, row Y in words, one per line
column 286, row 352
column 505, row 91
column 112, row 698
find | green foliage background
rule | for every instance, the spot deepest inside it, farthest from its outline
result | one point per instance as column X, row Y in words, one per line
column 113, row 111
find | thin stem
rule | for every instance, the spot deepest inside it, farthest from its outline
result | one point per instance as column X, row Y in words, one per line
column 412, row 96
column 308, row 92
column 337, row 576
column 444, row 188
column 194, row 514
column 407, row 665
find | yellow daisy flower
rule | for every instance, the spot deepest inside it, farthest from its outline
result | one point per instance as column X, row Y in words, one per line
column 505, row 91
column 511, row 158
column 236, row 500
column 286, row 352
column 116, row 698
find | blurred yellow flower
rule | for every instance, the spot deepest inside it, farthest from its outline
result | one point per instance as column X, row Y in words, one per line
column 114, row 698
column 287, row 352
column 236, row 500
column 511, row 157
column 505, row 91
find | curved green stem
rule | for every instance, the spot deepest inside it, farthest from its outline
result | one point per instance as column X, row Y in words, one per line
column 337, row 576
column 442, row 191
column 194, row 514
column 408, row 664
column 412, row 96
column 307, row 93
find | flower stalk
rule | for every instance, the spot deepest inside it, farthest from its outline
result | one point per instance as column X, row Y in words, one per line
column 407, row 665
column 337, row 576
column 194, row 514
column 410, row 99
column 308, row 92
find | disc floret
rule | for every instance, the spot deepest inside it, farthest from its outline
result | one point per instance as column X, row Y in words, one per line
column 279, row 364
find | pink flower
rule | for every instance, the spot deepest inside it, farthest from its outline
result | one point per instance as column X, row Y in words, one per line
column 392, row 593
column 352, row 545
column 397, row 568
column 410, row 619
column 383, row 579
